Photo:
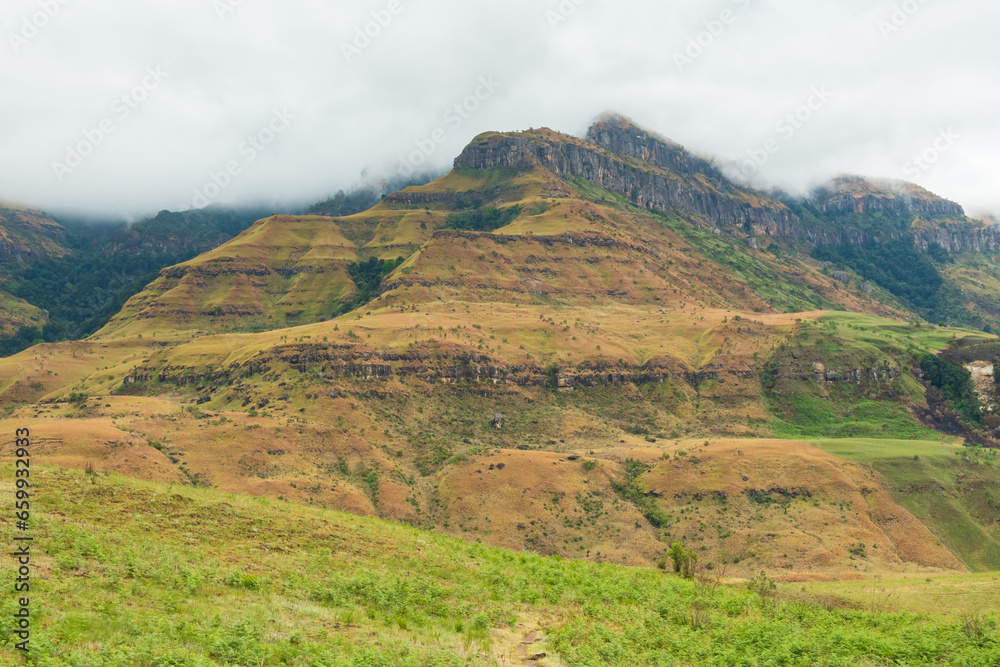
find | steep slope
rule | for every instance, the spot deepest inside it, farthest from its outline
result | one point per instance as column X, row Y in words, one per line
column 101, row 264
column 28, row 236
column 901, row 238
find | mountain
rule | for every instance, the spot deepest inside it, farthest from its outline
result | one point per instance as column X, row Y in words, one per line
column 27, row 237
column 80, row 283
column 591, row 348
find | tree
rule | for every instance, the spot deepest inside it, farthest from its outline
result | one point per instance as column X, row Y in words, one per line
column 684, row 560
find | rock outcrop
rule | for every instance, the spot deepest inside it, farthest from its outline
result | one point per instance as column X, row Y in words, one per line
column 658, row 174
column 653, row 173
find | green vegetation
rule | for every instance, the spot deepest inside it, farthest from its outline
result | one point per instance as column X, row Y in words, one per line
column 628, row 489
column 367, row 277
column 145, row 574
column 684, row 560
column 953, row 496
column 872, row 387
column 109, row 264
column 955, row 384
column 483, row 219
column 968, row 596
column 843, row 413
column 911, row 275
column 897, row 266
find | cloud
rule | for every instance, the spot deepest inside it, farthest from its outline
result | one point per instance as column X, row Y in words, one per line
column 368, row 83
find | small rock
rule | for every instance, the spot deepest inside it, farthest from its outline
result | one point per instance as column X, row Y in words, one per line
column 745, row 478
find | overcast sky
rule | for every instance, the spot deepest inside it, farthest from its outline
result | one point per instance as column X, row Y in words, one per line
column 128, row 107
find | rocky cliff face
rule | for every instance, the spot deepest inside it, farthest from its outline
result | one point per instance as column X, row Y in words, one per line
column 923, row 216
column 955, row 236
column 655, row 174
column 968, row 237
column 855, row 194
column 661, row 175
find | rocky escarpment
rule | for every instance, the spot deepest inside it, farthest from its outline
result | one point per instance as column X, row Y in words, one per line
column 856, row 194
column 969, row 237
column 654, row 174
column 329, row 362
column 913, row 211
column 622, row 137
column 407, row 199
column 820, row 373
column 658, row 174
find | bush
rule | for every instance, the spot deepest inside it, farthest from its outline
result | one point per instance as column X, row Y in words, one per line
column 483, row 219
column 684, row 560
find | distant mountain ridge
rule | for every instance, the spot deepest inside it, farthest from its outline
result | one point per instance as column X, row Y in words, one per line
column 617, row 157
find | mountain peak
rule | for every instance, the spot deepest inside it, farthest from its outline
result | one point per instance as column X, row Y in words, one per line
column 615, row 122
column 622, row 136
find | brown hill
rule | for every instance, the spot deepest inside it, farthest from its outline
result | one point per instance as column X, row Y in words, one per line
column 540, row 319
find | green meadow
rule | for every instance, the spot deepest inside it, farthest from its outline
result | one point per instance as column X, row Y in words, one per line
column 139, row 574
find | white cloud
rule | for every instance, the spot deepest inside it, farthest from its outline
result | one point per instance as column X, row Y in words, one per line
column 227, row 77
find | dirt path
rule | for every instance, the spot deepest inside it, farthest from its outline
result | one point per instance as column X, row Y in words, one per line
column 525, row 646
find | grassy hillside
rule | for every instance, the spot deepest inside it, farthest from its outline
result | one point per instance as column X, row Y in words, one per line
column 100, row 265
column 850, row 375
column 137, row 573
column 15, row 315
column 953, row 491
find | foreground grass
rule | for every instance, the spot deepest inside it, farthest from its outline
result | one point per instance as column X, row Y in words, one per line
column 133, row 573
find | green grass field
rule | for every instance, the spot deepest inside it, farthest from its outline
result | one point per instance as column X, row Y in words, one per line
column 957, row 596
column 140, row 574
column 876, row 332
column 955, row 497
